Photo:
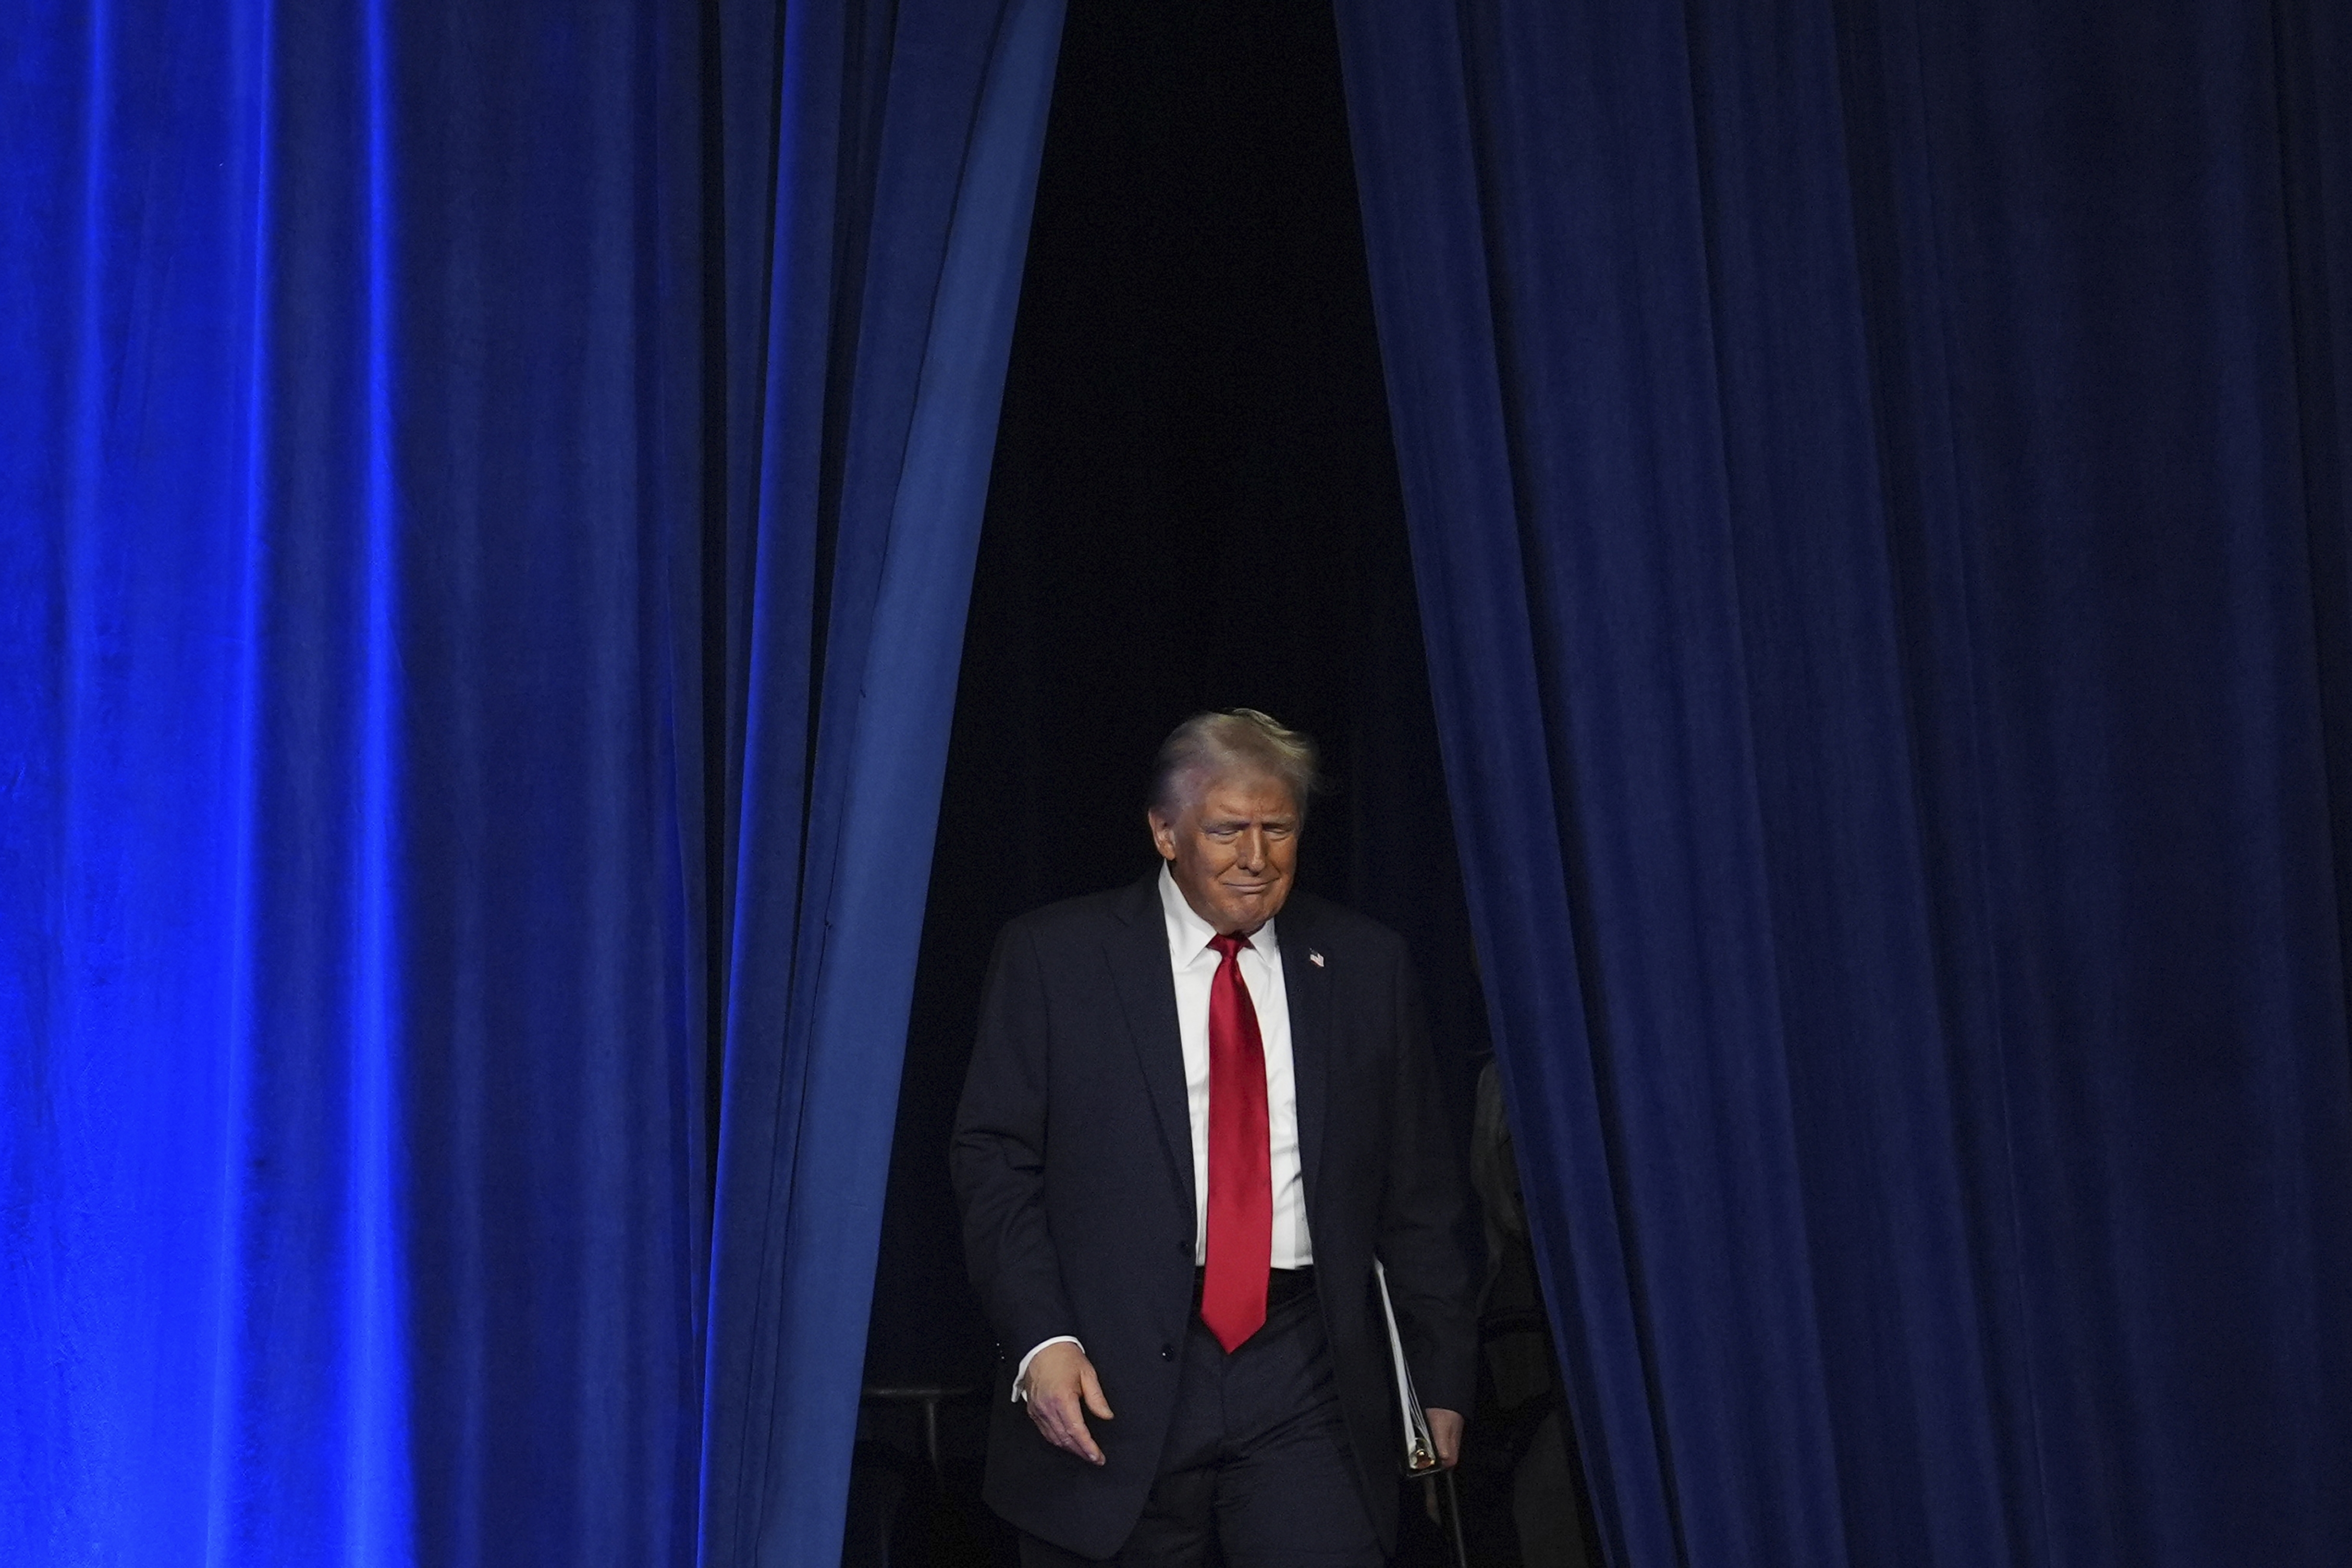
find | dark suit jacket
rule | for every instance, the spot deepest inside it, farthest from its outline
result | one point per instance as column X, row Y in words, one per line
column 1073, row 1163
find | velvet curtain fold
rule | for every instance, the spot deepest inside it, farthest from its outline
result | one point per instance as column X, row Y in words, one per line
column 1878, row 495
column 353, row 1123
column 906, row 140
column 486, row 496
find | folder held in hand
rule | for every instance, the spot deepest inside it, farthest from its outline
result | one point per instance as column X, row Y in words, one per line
column 1420, row 1448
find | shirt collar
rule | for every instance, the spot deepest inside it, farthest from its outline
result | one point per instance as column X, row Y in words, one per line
column 1189, row 935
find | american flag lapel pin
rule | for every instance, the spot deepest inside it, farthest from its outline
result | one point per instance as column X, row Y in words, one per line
column 1313, row 958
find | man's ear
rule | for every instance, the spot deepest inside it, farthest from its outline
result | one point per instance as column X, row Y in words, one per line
column 1163, row 835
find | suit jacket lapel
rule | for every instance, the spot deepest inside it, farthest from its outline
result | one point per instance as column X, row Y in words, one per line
column 1307, row 985
column 1137, row 953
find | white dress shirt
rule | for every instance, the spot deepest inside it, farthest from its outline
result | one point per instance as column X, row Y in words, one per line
column 1194, row 965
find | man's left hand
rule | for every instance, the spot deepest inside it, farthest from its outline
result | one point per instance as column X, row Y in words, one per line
column 1445, row 1431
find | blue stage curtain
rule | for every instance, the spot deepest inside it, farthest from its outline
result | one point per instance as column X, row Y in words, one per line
column 1877, row 478
column 884, row 267
column 444, row 692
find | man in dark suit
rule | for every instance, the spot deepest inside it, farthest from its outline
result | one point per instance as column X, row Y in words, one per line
column 1188, row 1130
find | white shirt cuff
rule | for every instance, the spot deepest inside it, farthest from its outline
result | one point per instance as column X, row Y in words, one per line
column 1020, row 1373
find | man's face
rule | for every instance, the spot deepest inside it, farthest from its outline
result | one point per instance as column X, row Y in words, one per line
column 1232, row 850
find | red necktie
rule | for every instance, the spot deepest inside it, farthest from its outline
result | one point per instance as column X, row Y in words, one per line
column 1240, row 1181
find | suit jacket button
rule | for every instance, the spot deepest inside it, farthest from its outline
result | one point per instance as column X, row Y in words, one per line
column 1167, row 1352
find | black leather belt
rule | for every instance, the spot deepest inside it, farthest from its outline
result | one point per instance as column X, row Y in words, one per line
column 1283, row 1286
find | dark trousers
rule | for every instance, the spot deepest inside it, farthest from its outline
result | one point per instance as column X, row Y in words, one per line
column 1257, row 1472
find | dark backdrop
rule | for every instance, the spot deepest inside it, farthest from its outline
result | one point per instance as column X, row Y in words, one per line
column 1194, row 504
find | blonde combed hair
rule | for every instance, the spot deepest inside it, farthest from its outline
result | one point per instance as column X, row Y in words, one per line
column 1233, row 742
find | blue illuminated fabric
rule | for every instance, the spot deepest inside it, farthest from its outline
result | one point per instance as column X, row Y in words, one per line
column 1879, row 492
column 486, row 498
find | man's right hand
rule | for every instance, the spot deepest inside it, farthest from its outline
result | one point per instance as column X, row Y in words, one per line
column 1062, row 1390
